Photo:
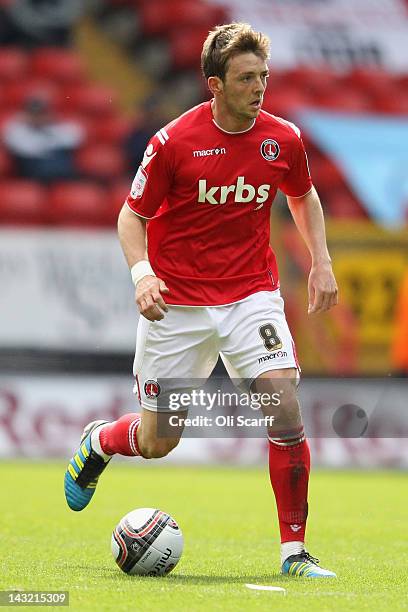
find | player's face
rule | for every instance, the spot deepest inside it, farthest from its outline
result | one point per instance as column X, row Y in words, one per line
column 244, row 86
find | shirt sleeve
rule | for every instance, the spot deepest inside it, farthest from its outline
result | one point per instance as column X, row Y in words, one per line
column 297, row 181
column 153, row 178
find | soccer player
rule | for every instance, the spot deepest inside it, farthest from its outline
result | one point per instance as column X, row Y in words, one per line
column 195, row 233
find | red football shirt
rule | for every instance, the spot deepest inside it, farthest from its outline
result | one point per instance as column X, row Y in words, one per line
column 207, row 194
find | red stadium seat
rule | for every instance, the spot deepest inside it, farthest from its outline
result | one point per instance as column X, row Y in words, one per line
column 284, row 101
column 23, row 202
column 6, row 163
column 59, row 65
column 394, row 102
column 345, row 100
column 91, row 100
column 117, row 196
column 161, row 16
column 401, row 81
column 79, row 204
column 15, row 94
column 4, row 117
column 325, row 173
column 397, row 98
column 112, row 130
column 307, row 79
column 101, row 161
column 367, row 79
column 186, row 46
column 13, row 64
column 343, row 204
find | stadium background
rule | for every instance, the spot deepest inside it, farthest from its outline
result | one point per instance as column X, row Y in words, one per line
column 123, row 68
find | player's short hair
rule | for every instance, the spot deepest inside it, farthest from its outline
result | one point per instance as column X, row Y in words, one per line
column 226, row 41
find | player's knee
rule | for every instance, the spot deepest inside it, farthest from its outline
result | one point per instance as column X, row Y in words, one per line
column 154, row 449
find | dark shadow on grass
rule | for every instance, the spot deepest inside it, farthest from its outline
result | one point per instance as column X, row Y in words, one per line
column 214, row 579
column 197, row 579
column 176, row 578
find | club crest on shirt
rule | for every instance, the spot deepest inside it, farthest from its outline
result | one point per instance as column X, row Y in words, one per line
column 152, row 389
column 270, row 149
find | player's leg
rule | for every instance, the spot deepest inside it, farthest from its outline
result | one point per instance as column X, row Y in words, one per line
column 178, row 351
column 263, row 354
column 289, row 469
column 182, row 345
column 149, row 434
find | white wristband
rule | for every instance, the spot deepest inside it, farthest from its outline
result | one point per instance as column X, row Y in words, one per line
column 140, row 269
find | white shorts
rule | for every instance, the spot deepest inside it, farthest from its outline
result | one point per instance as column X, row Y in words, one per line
column 251, row 336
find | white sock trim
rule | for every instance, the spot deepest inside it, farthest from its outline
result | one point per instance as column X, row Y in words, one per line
column 95, row 443
column 291, row 548
column 132, row 431
column 294, row 441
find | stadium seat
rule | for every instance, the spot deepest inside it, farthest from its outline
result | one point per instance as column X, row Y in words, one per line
column 111, row 130
column 186, row 46
column 101, row 161
column 6, row 163
column 78, row 204
column 284, row 101
column 5, row 115
column 307, row 79
column 345, row 100
column 59, row 65
column 23, row 202
column 343, row 204
column 398, row 95
column 91, row 100
column 401, row 81
column 394, row 102
column 367, row 79
column 325, row 173
column 16, row 93
column 13, row 64
column 117, row 196
column 161, row 16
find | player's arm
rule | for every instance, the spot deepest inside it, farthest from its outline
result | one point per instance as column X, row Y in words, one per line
column 308, row 216
column 148, row 287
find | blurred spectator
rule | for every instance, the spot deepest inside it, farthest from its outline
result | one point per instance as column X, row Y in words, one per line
column 153, row 116
column 42, row 146
column 400, row 342
column 31, row 23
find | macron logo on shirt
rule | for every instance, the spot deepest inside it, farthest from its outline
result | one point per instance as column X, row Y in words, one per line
column 209, row 152
column 243, row 193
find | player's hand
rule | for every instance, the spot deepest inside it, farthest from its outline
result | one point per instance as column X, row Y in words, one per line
column 322, row 288
column 149, row 299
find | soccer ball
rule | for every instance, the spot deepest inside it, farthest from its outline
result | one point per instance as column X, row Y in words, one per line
column 148, row 542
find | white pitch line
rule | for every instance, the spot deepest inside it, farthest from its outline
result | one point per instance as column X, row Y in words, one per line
column 260, row 587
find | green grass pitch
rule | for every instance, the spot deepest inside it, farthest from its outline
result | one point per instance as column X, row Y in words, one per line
column 357, row 527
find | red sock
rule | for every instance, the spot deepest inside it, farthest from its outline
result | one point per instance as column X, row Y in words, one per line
column 289, row 468
column 120, row 436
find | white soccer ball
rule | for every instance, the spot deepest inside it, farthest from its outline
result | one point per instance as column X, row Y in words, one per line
column 148, row 542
